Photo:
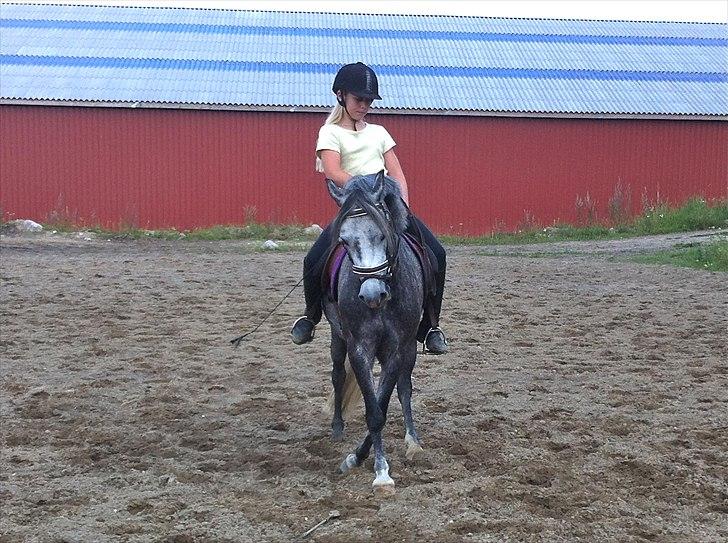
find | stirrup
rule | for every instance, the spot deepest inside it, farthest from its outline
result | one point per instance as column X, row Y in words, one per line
column 434, row 330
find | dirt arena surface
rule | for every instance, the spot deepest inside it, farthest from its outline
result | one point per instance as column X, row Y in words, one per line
column 584, row 399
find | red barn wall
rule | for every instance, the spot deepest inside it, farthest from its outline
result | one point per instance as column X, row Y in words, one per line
column 160, row 168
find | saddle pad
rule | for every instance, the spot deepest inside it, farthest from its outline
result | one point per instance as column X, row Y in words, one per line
column 422, row 252
column 330, row 275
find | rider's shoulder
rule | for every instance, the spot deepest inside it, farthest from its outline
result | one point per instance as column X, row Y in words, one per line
column 378, row 128
column 328, row 127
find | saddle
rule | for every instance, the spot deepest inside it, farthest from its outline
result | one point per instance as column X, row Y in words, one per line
column 413, row 237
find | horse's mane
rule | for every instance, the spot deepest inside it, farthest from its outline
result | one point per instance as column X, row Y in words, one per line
column 359, row 192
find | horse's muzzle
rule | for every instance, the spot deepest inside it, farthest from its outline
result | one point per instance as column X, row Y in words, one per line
column 374, row 292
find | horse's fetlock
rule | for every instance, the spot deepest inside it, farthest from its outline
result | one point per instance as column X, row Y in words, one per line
column 337, row 429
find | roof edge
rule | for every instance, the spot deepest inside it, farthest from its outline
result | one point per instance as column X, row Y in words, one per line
column 376, row 111
column 71, row 4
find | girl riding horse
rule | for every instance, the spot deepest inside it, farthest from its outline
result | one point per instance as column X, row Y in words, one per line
column 348, row 146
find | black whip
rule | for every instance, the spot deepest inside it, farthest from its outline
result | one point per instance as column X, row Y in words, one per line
column 236, row 342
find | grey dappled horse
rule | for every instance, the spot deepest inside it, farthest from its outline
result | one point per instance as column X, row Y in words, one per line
column 378, row 308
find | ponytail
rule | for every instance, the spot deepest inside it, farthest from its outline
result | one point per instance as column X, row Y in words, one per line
column 334, row 117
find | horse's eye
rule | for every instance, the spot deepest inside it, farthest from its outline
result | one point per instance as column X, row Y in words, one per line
column 381, row 239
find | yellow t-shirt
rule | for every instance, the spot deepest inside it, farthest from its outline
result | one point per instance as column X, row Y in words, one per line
column 362, row 151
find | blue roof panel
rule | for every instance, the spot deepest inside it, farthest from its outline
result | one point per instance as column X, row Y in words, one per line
column 295, row 20
column 267, row 59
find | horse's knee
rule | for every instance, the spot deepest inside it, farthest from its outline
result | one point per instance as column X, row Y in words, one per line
column 375, row 421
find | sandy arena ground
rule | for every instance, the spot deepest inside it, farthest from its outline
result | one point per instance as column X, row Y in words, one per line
column 585, row 398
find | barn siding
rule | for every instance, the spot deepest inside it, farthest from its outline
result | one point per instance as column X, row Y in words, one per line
column 158, row 168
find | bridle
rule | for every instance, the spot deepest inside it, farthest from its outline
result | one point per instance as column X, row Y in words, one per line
column 381, row 216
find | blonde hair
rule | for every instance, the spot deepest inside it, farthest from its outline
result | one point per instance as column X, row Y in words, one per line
column 334, row 117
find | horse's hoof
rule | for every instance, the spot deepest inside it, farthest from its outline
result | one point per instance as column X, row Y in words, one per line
column 383, row 487
column 413, row 450
column 348, row 463
column 337, row 436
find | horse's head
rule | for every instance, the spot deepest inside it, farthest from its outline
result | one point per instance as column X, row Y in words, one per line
column 369, row 223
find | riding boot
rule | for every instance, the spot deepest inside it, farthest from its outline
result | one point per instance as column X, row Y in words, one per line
column 303, row 331
column 304, row 328
column 435, row 342
column 429, row 332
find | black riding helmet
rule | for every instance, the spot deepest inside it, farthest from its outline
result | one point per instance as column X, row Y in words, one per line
column 358, row 79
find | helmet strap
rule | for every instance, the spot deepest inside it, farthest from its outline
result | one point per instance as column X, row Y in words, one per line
column 342, row 103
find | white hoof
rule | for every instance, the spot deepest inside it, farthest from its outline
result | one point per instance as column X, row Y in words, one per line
column 348, row 463
column 383, row 486
column 413, row 450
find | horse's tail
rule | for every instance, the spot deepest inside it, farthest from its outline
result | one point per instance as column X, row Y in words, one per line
column 352, row 398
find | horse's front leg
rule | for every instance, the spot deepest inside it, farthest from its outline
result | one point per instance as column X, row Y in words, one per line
column 361, row 365
column 376, row 414
column 383, row 483
column 338, row 378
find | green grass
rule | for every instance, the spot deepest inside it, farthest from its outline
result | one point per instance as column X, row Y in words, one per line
column 563, row 232
column 695, row 214
column 252, row 231
column 711, row 256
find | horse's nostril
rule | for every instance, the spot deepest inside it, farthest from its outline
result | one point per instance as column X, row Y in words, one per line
column 361, row 297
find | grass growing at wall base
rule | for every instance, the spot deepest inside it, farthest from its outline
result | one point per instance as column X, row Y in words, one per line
column 252, row 231
column 709, row 256
column 695, row 214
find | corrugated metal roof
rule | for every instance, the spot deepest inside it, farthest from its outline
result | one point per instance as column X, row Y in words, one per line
column 288, row 59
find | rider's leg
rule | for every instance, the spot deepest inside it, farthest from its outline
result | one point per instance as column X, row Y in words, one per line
column 304, row 327
column 429, row 332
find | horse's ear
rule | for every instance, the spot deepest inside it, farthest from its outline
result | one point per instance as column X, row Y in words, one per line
column 379, row 187
column 336, row 192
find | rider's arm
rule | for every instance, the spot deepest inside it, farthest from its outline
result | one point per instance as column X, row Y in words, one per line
column 394, row 170
column 332, row 167
column 332, row 170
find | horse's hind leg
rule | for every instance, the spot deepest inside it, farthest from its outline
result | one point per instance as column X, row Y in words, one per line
column 404, row 391
column 338, row 378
